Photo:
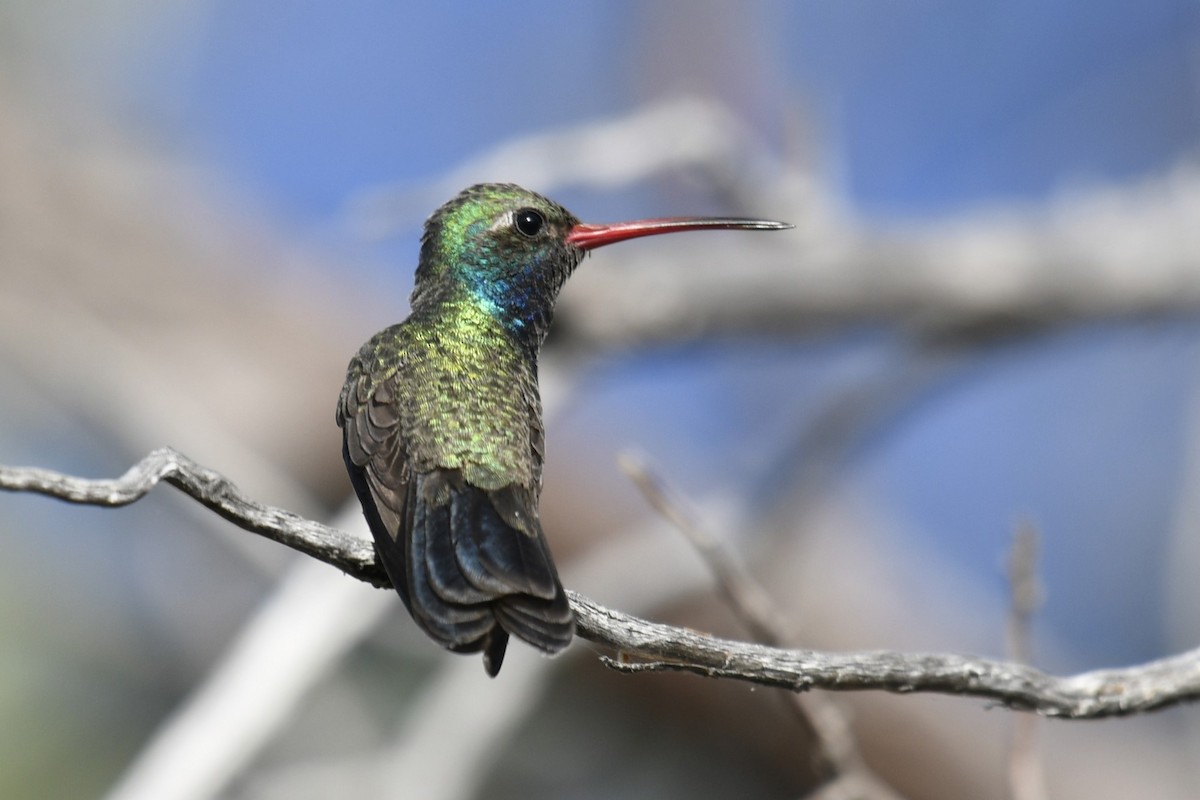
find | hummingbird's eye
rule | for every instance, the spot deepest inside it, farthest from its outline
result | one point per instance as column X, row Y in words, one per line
column 528, row 221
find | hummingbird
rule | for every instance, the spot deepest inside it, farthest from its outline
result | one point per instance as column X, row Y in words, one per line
column 442, row 420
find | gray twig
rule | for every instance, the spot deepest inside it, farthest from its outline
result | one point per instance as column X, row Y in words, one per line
column 1026, row 779
column 745, row 596
column 836, row 756
column 1102, row 693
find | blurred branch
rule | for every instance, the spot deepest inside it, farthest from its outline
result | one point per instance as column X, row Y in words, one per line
column 745, row 596
column 1026, row 779
column 837, row 760
column 1110, row 253
column 1103, row 253
column 1091, row 695
column 681, row 133
column 310, row 619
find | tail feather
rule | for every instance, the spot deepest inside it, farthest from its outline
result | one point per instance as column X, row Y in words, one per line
column 444, row 565
column 548, row 625
column 493, row 651
column 496, row 556
column 473, row 567
column 470, row 527
column 457, row 626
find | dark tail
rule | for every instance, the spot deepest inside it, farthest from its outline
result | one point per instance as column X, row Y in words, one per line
column 472, row 566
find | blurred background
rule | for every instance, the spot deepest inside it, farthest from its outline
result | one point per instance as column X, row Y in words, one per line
column 985, row 317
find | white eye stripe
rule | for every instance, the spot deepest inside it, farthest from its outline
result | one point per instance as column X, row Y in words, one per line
column 510, row 220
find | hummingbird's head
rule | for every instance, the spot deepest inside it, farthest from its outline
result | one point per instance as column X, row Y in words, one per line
column 511, row 250
column 505, row 245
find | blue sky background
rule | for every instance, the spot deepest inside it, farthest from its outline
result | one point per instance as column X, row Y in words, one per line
column 912, row 113
column 915, row 112
column 928, row 106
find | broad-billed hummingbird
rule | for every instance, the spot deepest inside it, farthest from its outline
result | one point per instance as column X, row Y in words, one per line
column 442, row 421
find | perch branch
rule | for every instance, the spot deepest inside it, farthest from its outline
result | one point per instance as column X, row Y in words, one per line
column 352, row 555
column 1101, row 693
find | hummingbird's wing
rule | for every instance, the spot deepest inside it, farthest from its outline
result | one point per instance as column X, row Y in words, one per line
column 471, row 565
column 376, row 459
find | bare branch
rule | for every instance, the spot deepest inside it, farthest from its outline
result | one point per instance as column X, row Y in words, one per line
column 352, row 555
column 836, row 755
column 1091, row 695
column 746, row 597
